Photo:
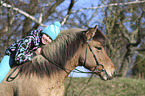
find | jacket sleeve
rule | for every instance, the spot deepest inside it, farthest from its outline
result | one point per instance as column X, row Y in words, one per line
column 25, row 52
column 26, row 49
column 12, row 49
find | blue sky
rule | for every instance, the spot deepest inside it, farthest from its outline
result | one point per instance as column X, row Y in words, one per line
column 81, row 68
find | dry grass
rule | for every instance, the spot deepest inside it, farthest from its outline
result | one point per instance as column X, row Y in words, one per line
column 97, row 87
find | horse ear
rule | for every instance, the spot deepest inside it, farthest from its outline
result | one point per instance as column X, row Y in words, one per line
column 91, row 32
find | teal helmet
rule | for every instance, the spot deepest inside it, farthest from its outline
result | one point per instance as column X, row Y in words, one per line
column 52, row 30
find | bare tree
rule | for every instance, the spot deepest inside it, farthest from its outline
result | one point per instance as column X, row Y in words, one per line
column 18, row 17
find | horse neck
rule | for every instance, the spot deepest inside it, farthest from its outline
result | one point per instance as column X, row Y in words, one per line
column 73, row 62
column 70, row 66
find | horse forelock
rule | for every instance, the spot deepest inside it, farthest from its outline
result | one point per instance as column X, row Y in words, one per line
column 99, row 36
column 56, row 53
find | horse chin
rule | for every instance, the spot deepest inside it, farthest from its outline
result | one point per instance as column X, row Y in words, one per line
column 104, row 76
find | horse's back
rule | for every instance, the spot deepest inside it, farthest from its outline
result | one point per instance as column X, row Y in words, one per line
column 7, row 89
column 31, row 85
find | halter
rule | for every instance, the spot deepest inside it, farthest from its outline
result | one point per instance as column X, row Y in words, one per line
column 103, row 70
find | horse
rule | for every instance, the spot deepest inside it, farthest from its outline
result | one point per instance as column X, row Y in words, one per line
column 46, row 73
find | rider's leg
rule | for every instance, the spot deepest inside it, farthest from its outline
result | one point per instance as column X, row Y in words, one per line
column 5, row 66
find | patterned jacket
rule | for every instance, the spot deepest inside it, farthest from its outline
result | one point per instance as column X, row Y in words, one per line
column 23, row 50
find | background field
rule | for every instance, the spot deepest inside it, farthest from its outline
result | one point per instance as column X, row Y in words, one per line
column 98, row 87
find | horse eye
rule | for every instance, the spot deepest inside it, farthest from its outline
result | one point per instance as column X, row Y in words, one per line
column 99, row 48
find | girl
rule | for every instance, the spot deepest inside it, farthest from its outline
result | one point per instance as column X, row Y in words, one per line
column 25, row 49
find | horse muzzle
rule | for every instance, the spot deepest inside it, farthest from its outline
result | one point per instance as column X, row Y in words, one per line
column 105, row 76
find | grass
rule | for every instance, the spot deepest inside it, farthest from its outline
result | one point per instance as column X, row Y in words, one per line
column 98, row 87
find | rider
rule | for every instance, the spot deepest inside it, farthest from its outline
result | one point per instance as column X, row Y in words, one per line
column 25, row 49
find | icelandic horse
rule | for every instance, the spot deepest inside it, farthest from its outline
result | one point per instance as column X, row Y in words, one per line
column 46, row 73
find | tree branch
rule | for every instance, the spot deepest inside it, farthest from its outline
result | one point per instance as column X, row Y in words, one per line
column 139, row 49
column 138, row 33
column 110, row 5
column 51, row 9
column 22, row 12
column 69, row 12
column 130, row 44
column 48, row 12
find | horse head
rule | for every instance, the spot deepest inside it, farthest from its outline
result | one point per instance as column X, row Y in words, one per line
column 93, row 55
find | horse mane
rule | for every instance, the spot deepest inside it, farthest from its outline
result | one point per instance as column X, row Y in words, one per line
column 55, row 54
